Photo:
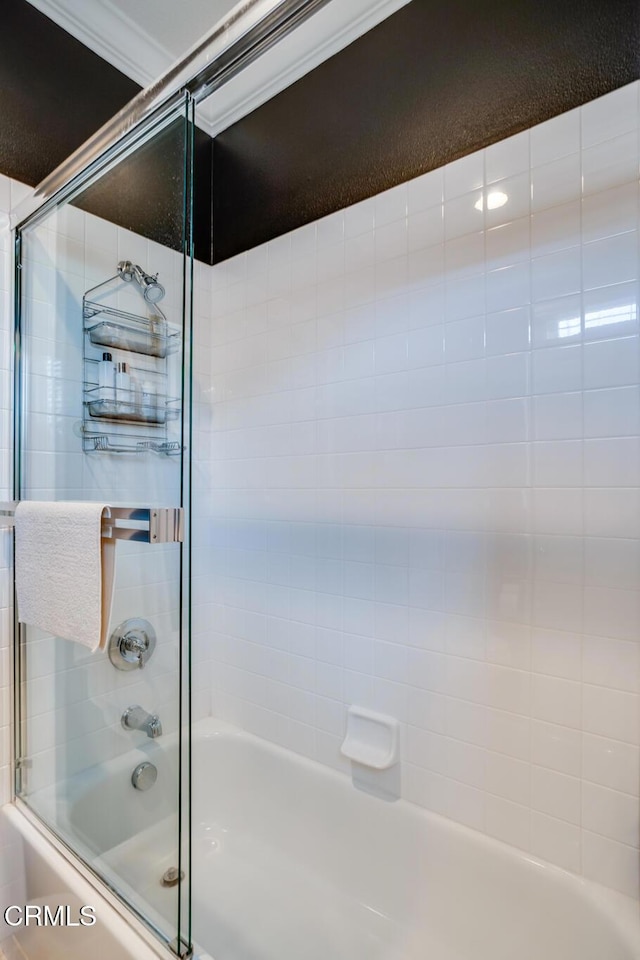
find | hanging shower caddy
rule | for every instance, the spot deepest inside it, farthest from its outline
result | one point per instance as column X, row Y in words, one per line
column 136, row 417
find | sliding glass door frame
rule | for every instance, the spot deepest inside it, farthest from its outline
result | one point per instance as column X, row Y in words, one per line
column 178, row 107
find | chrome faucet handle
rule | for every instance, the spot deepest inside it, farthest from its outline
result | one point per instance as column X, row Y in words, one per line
column 154, row 727
column 131, row 644
column 137, row 645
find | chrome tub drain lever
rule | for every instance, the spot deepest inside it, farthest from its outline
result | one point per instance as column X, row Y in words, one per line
column 171, row 877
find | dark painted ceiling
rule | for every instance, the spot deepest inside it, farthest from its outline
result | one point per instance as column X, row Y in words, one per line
column 433, row 82
column 54, row 93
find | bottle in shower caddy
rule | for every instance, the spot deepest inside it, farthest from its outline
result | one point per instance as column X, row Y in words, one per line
column 123, row 385
column 148, row 400
column 106, row 377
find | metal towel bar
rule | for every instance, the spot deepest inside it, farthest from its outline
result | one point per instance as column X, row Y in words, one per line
column 163, row 524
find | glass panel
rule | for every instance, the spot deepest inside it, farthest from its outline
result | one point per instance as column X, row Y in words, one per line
column 103, row 416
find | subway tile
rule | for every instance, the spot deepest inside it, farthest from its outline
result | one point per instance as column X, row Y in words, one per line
column 507, row 157
column 557, row 606
column 359, row 219
column 612, row 612
column 611, row 763
column 612, row 462
column 390, row 205
column 610, row 163
column 556, row 701
column 610, row 713
column 556, row 653
column 507, row 331
column 611, row 363
column 611, row 312
column 612, row 562
column 465, row 256
column 556, row 228
column 507, row 244
column 508, row 287
column 558, row 463
column 462, row 215
column 464, row 338
column 556, row 747
column 556, row 322
column 610, row 863
column 612, row 512
column 464, row 175
column 610, row 261
column 558, row 416
column 507, row 777
column 425, row 191
column 612, row 663
column 555, row 794
column 555, row 138
column 517, row 190
column 612, row 412
column 556, row 274
column 557, row 369
column 507, row 376
column 425, row 228
column 557, row 841
column 610, row 116
column 509, row 822
column 556, row 183
column 609, row 212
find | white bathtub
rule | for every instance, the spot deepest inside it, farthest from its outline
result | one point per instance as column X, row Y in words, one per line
column 292, row 862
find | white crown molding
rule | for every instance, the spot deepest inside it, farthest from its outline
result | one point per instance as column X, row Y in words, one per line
column 327, row 32
column 109, row 33
column 103, row 28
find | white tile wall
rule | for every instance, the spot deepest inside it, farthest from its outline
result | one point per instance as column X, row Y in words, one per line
column 419, row 486
column 415, row 484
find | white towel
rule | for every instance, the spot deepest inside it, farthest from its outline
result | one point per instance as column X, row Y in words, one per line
column 64, row 569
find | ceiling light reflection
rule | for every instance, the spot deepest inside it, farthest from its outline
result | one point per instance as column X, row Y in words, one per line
column 495, row 199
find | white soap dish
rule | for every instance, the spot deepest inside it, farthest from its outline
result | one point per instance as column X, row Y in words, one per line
column 372, row 738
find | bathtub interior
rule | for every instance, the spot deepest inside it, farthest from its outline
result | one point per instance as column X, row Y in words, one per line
column 127, row 836
column 291, row 859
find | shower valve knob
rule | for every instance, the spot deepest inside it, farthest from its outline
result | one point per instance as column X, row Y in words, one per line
column 131, row 644
column 135, row 645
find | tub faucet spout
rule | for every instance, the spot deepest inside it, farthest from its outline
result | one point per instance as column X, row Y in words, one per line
column 135, row 718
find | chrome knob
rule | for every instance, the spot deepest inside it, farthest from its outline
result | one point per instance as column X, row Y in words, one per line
column 131, row 644
column 144, row 776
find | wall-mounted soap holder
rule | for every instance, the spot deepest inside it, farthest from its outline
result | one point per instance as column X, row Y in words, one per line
column 131, row 644
column 372, row 739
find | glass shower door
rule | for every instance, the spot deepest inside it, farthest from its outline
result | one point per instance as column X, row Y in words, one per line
column 103, row 415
